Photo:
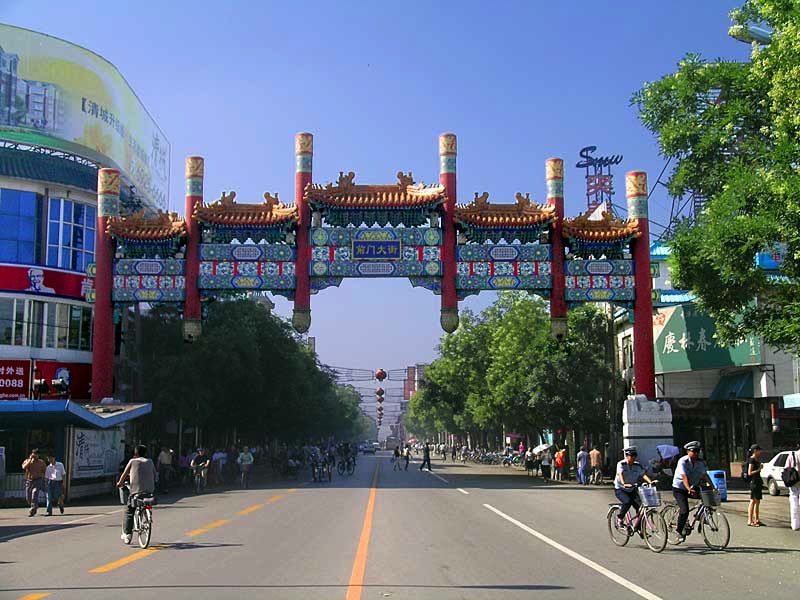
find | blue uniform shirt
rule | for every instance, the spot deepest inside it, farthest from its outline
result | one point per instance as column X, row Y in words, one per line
column 631, row 474
column 694, row 471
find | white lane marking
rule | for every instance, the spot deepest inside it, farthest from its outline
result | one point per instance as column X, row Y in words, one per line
column 463, row 491
column 439, row 477
column 55, row 526
column 639, row 591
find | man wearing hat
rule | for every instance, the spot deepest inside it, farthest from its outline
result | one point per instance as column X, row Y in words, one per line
column 689, row 474
column 629, row 473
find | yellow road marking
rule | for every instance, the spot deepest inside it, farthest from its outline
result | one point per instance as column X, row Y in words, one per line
column 355, row 587
column 126, row 561
column 210, row 526
column 289, row 491
column 250, row 509
column 35, row 596
column 275, row 498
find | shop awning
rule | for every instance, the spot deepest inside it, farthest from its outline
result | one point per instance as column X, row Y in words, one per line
column 791, row 401
column 34, row 413
column 734, row 386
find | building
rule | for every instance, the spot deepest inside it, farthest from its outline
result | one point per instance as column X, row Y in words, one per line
column 726, row 397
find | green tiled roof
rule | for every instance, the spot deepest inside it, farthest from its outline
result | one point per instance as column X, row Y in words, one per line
column 25, row 164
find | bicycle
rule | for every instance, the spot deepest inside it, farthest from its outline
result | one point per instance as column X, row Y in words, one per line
column 245, row 476
column 648, row 521
column 711, row 521
column 199, row 480
column 347, row 465
column 142, row 519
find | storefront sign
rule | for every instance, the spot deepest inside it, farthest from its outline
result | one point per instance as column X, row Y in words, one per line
column 43, row 281
column 77, row 375
column 97, row 453
column 15, row 379
column 377, row 250
column 684, row 341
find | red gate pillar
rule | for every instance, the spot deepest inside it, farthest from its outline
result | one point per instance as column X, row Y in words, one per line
column 103, row 332
column 192, row 324
column 304, row 154
column 554, row 173
column 644, row 370
column 447, row 177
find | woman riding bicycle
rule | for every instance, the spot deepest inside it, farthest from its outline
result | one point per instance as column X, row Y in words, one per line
column 629, row 473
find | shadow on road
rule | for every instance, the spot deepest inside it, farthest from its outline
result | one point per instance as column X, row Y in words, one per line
column 381, row 586
column 11, row 532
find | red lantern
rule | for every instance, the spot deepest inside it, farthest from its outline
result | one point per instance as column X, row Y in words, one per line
column 379, row 399
column 380, row 374
column 379, row 392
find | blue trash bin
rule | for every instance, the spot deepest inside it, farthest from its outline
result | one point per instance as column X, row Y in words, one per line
column 721, row 483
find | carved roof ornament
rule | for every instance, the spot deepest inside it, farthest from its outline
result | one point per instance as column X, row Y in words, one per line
column 606, row 229
column 523, row 213
column 345, row 193
column 226, row 211
column 138, row 226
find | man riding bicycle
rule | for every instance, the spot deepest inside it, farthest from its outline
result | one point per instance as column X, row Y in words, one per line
column 689, row 474
column 629, row 473
column 140, row 472
column 245, row 462
column 201, row 463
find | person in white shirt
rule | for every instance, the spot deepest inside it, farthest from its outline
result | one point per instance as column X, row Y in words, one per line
column 794, row 491
column 54, row 479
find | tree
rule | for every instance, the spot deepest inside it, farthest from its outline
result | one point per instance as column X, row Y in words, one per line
column 732, row 130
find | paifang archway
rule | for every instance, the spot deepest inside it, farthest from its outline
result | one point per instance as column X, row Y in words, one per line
column 346, row 229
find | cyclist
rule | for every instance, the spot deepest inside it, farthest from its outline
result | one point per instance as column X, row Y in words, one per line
column 689, row 474
column 141, row 473
column 245, row 462
column 629, row 473
column 202, row 462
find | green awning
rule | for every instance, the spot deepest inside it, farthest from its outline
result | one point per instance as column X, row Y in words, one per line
column 734, row 386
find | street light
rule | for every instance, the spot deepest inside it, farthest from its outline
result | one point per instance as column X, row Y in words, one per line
column 750, row 33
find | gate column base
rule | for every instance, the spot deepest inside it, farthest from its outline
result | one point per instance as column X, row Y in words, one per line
column 449, row 319
column 192, row 328
column 301, row 320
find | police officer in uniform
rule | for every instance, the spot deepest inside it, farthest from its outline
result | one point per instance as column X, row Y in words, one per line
column 629, row 473
column 689, row 474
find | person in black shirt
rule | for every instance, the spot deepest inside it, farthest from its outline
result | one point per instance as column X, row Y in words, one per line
column 756, row 493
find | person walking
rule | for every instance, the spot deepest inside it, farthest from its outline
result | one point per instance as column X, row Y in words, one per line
column 407, row 455
column 529, row 462
column 164, row 467
column 54, row 476
column 546, row 465
column 396, row 459
column 583, row 466
column 34, row 469
column 426, row 457
column 756, row 485
column 559, row 465
column 453, row 453
column 596, row 461
column 794, row 491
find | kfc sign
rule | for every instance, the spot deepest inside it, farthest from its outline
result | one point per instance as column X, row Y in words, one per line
column 43, row 281
column 15, row 379
column 76, row 375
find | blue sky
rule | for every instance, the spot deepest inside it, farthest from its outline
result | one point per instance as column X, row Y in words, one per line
column 376, row 82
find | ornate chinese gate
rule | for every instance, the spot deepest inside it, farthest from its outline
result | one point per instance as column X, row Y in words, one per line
column 346, row 229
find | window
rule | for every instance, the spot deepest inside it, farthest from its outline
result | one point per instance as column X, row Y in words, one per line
column 70, row 234
column 18, row 226
column 45, row 324
column 781, row 460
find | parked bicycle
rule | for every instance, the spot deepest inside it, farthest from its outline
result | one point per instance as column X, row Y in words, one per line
column 706, row 516
column 648, row 521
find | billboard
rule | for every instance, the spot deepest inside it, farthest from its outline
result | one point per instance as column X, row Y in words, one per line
column 44, row 282
column 59, row 95
column 684, row 341
column 15, row 379
column 97, row 453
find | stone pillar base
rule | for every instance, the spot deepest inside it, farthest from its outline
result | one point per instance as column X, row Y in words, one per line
column 301, row 320
column 192, row 328
column 646, row 424
column 449, row 319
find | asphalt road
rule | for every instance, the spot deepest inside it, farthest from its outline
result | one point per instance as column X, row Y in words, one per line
column 461, row 532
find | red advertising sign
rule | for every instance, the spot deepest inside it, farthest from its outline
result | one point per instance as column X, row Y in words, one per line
column 15, row 379
column 44, row 281
column 77, row 375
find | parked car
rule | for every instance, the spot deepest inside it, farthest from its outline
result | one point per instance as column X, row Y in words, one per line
column 771, row 473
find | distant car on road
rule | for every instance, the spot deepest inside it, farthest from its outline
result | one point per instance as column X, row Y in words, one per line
column 375, row 446
column 771, row 473
column 367, row 447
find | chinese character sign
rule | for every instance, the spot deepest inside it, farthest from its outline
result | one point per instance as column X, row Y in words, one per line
column 377, row 250
column 599, row 180
column 684, row 341
column 15, row 379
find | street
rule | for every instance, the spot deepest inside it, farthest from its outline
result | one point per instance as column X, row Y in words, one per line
column 463, row 531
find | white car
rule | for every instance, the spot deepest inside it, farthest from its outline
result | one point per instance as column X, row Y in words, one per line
column 771, row 473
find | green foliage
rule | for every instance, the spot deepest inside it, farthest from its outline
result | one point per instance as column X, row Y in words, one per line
column 732, row 131
column 247, row 371
column 502, row 369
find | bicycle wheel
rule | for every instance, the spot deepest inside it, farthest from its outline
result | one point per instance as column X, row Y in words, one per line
column 145, row 526
column 655, row 530
column 716, row 530
column 670, row 513
column 330, row 474
column 620, row 535
column 351, row 467
column 340, row 468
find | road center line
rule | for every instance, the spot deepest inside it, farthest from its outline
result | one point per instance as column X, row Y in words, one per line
column 275, row 498
column 639, row 591
column 463, row 491
column 35, row 596
column 355, row 587
column 127, row 560
column 210, row 526
column 250, row 509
